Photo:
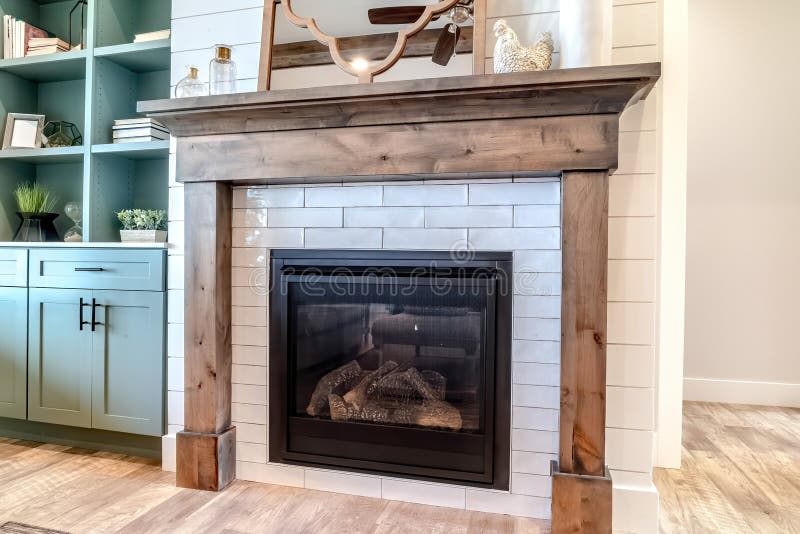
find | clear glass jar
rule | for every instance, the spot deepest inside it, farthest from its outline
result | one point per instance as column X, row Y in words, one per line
column 190, row 85
column 74, row 211
column 222, row 71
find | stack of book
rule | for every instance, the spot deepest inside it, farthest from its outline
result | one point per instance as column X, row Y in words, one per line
column 151, row 36
column 18, row 34
column 139, row 131
column 39, row 46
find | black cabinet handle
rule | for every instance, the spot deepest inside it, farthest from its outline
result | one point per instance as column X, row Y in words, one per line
column 80, row 315
column 88, row 269
column 95, row 305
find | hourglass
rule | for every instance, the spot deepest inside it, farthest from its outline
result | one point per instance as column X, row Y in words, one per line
column 74, row 211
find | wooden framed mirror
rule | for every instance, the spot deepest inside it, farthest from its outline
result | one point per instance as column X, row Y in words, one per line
column 310, row 43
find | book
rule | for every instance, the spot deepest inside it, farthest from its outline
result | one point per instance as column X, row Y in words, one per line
column 8, row 24
column 38, row 46
column 151, row 36
column 143, row 139
column 44, row 51
column 37, row 41
column 141, row 132
column 18, row 36
column 31, row 32
column 144, row 121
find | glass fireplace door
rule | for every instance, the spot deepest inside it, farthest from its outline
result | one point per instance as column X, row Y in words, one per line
column 402, row 352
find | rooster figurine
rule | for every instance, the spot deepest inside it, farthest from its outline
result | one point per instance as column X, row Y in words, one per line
column 510, row 56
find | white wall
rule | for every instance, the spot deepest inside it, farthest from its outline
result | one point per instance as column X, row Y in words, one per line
column 633, row 227
column 743, row 260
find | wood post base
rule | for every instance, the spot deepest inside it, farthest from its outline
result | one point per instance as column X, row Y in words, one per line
column 206, row 461
column 581, row 503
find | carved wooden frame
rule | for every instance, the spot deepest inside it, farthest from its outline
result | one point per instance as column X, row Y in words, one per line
column 365, row 76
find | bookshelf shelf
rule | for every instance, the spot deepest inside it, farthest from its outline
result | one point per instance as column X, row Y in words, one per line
column 35, row 156
column 48, row 68
column 139, row 57
column 91, row 88
column 145, row 150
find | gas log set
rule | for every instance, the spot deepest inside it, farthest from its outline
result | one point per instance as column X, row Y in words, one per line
column 391, row 394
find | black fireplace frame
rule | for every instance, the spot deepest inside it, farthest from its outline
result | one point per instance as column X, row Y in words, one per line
column 495, row 444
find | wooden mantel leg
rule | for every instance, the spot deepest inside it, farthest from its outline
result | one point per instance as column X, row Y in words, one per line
column 581, row 484
column 206, row 454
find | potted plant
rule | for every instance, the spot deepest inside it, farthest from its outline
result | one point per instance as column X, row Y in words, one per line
column 143, row 226
column 36, row 205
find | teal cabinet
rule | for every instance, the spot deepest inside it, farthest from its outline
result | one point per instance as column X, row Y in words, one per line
column 128, row 362
column 13, row 351
column 60, row 357
column 82, row 339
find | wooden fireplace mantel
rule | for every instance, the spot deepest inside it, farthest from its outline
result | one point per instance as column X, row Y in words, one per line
column 562, row 121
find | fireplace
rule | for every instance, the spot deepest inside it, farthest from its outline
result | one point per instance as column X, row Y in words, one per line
column 392, row 362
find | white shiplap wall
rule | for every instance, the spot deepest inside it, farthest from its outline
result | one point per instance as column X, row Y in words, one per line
column 633, row 243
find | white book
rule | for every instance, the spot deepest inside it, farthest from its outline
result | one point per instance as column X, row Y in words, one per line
column 6, row 37
column 141, row 132
column 144, row 139
column 12, row 42
column 19, row 38
column 143, row 121
column 151, row 36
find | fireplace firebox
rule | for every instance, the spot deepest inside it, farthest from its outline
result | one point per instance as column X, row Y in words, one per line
column 391, row 362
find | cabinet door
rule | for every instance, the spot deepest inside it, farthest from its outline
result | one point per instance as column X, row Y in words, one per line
column 60, row 357
column 128, row 368
column 13, row 351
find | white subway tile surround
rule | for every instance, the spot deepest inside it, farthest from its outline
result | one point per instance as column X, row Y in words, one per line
column 410, row 216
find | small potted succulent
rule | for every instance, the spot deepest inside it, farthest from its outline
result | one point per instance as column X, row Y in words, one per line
column 36, row 206
column 143, row 226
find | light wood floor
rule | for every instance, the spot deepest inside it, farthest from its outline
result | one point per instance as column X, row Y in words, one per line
column 82, row 491
column 740, row 472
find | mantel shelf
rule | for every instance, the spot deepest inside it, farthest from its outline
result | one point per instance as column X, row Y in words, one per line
column 584, row 91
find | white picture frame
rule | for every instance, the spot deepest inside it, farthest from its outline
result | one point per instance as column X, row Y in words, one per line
column 23, row 130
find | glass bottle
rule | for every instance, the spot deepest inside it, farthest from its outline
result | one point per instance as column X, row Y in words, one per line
column 190, row 85
column 222, row 71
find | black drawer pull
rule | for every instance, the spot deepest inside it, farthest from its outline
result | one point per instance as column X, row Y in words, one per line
column 88, row 269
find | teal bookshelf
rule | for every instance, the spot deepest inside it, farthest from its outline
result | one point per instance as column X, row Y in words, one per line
column 91, row 88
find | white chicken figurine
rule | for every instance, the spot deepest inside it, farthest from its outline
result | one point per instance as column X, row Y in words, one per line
column 510, row 56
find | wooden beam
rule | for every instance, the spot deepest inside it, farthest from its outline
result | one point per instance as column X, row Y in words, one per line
column 372, row 47
column 581, row 503
column 583, row 322
column 511, row 145
column 205, row 449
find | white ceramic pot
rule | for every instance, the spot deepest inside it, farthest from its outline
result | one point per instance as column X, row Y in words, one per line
column 143, row 236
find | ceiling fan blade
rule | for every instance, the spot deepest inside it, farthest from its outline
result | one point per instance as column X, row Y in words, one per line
column 446, row 45
column 395, row 15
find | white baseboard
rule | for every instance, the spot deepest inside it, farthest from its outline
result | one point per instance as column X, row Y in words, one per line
column 742, row 392
column 168, row 453
column 635, row 509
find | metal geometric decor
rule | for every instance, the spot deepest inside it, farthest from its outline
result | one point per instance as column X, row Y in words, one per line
column 62, row 133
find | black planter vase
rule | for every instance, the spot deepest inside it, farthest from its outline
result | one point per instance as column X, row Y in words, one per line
column 36, row 228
